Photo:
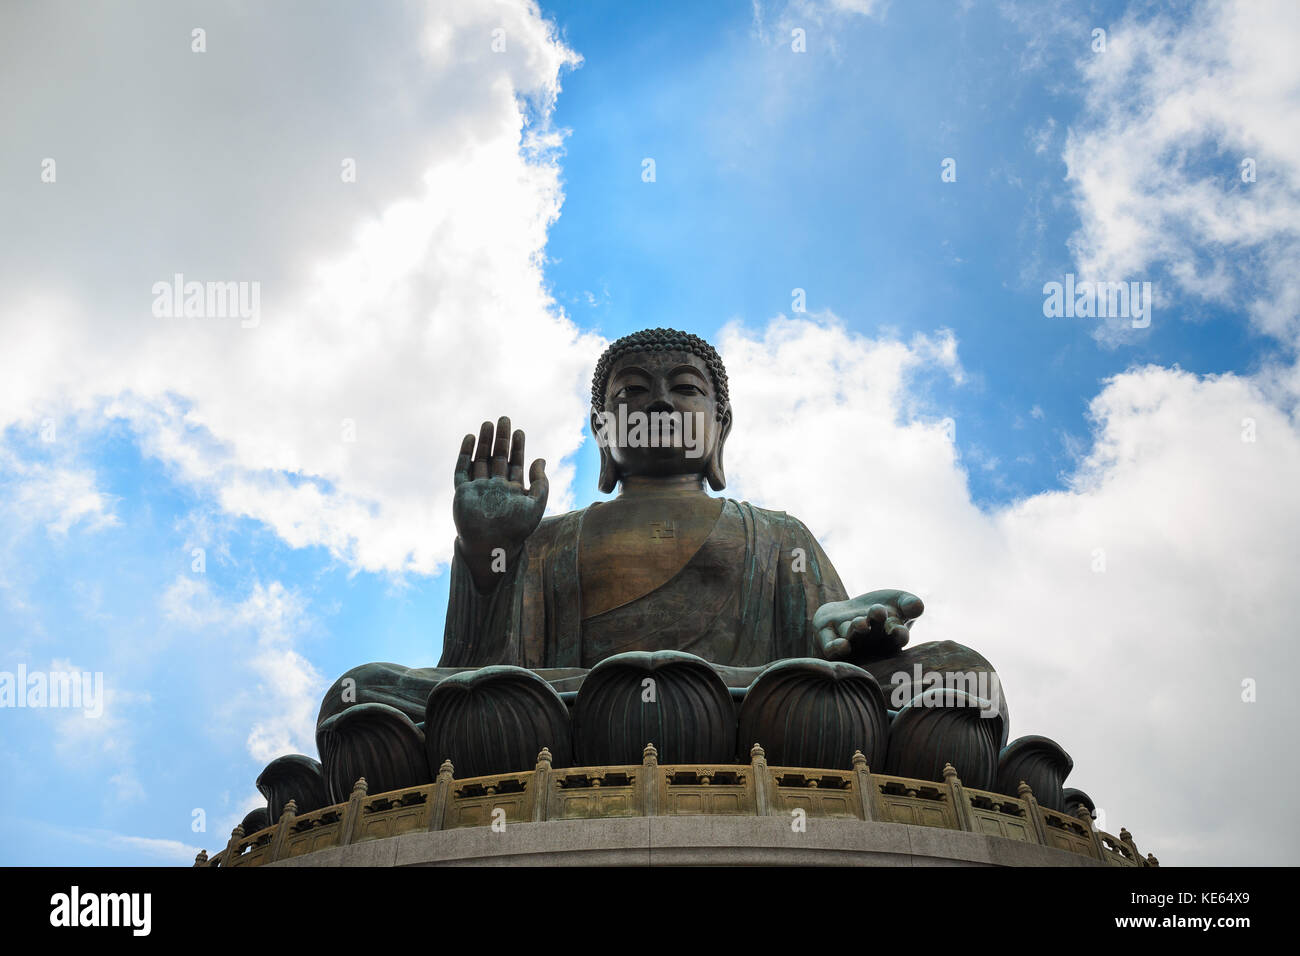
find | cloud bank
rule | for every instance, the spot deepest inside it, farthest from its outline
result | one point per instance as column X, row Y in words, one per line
column 1184, row 163
column 1141, row 615
column 396, row 311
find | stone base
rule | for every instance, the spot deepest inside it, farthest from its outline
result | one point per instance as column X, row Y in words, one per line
column 693, row 841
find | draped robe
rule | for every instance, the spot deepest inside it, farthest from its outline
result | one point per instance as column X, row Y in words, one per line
column 745, row 598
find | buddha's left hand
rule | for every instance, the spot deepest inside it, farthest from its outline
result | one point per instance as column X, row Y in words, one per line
column 869, row 627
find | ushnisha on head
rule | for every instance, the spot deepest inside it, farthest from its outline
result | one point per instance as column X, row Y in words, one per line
column 660, row 408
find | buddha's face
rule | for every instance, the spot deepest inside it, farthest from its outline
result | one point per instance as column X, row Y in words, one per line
column 660, row 414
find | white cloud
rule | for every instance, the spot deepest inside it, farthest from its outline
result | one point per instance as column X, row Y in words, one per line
column 1041, row 138
column 1044, row 37
column 867, row 8
column 275, row 690
column 1136, row 670
column 125, row 787
column 410, row 303
column 55, row 496
column 100, row 731
column 1172, row 110
column 827, row 15
column 171, row 851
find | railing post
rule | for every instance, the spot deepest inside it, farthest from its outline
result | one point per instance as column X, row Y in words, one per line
column 282, row 830
column 1037, row 824
column 651, row 804
column 866, row 789
column 541, row 785
column 1085, row 817
column 960, row 801
column 441, row 795
column 765, row 797
column 352, row 813
column 1127, row 839
column 232, row 848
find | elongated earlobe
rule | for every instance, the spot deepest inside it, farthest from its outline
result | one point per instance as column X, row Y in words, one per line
column 713, row 470
column 607, row 481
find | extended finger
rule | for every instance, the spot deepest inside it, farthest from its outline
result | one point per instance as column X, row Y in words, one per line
column 480, row 469
column 462, row 463
column 853, row 626
column 898, row 632
column 910, row 606
column 516, row 472
column 500, row 450
column 833, row 647
column 538, row 484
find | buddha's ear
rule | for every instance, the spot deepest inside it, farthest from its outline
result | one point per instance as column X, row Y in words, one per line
column 608, row 478
column 713, row 470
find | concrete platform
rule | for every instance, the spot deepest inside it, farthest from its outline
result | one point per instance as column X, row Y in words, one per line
column 694, row 841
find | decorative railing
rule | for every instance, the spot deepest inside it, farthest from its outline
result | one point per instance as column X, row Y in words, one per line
column 651, row 789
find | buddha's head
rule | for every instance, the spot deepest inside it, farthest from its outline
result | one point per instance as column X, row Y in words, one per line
column 659, row 408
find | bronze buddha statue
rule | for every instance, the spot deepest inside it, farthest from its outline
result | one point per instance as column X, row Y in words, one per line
column 665, row 615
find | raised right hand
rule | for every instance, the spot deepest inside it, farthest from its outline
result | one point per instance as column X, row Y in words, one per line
column 491, row 507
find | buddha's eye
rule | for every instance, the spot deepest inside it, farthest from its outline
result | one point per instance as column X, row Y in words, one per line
column 629, row 390
column 686, row 388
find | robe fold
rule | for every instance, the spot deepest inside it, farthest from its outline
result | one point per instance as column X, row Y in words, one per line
column 745, row 598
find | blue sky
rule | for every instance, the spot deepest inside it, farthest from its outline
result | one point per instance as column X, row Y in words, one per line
column 774, row 170
column 836, row 189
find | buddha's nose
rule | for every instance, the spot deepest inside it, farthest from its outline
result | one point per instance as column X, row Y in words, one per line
column 660, row 402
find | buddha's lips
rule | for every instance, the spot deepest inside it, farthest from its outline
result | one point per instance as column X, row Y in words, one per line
column 658, row 429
